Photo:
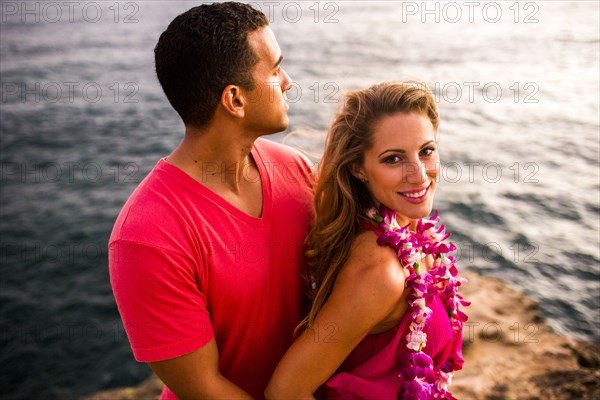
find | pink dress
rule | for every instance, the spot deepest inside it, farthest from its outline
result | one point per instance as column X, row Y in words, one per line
column 371, row 370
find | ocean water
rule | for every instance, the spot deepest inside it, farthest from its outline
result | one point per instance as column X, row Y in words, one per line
column 83, row 120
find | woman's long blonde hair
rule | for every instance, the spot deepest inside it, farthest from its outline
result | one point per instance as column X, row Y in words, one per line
column 340, row 197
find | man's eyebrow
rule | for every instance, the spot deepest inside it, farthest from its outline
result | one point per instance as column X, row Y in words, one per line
column 278, row 62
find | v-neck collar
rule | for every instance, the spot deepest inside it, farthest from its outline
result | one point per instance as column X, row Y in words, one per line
column 217, row 199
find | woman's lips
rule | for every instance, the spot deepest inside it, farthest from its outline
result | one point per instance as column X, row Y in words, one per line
column 415, row 196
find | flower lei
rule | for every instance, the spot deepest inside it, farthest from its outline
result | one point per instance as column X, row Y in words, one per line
column 420, row 380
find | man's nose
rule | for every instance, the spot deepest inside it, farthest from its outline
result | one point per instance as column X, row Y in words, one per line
column 286, row 81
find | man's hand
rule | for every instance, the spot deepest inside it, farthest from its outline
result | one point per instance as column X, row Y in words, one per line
column 196, row 376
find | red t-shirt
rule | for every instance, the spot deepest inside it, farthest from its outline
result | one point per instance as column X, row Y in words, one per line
column 186, row 266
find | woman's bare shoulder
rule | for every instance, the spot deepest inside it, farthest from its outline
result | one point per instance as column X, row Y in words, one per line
column 372, row 264
column 365, row 248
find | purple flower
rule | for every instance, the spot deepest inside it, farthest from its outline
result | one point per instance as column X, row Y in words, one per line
column 419, row 288
column 442, row 394
column 453, row 363
column 416, row 365
column 461, row 316
column 422, row 316
column 415, row 390
column 383, row 240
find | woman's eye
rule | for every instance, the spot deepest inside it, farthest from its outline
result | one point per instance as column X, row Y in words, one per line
column 427, row 151
column 391, row 160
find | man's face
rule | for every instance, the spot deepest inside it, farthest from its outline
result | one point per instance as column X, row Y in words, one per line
column 266, row 110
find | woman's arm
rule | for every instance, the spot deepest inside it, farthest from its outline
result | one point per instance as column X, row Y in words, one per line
column 366, row 291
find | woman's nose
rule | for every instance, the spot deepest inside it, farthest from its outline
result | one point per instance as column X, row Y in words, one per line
column 415, row 172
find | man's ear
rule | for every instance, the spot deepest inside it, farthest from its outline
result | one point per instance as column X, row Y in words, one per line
column 233, row 101
column 358, row 172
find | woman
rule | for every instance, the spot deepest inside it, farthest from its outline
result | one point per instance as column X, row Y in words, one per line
column 384, row 321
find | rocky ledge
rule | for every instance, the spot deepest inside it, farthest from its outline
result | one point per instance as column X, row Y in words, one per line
column 510, row 353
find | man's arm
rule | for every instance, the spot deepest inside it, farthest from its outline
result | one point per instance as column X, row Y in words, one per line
column 196, row 376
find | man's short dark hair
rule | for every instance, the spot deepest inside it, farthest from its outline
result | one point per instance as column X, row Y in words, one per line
column 202, row 51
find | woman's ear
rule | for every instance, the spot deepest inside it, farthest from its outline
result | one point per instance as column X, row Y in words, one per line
column 358, row 172
column 233, row 101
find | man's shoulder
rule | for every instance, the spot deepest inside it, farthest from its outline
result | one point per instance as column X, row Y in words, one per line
column 151, row 210
column 280, row 152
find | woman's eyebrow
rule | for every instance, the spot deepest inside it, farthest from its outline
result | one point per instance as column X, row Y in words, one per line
column 404, row 151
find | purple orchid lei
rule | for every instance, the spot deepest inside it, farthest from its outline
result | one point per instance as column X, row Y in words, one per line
column 420, row 380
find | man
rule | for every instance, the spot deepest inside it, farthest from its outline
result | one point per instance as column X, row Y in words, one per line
column 205, row 258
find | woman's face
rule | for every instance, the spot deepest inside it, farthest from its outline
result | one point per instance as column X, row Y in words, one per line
column 402, row 167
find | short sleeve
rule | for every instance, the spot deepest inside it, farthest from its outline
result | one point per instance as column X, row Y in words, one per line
column 308, row 167
column 158, row 296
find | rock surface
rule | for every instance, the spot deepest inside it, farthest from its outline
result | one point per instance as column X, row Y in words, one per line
column 510, row 353
column 150, row 389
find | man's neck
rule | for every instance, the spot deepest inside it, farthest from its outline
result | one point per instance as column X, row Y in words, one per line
column 217, row 158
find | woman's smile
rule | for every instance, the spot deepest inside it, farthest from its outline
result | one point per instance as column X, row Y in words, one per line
column 415, row 196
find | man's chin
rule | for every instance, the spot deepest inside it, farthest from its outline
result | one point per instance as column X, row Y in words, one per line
column 276, row 129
